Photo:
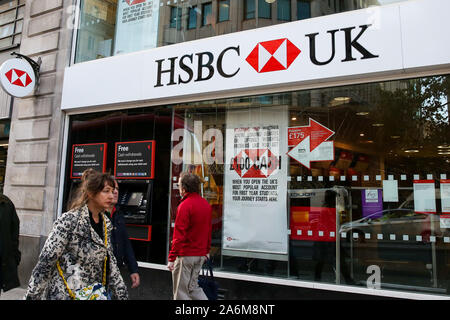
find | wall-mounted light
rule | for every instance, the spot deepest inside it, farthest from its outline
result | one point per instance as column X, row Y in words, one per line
column 411, row 151
column 362, row 113
column 377, row 124
column 270, row 1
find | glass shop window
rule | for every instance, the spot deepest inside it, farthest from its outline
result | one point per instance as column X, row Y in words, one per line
column 134, row 146
column 347, row 185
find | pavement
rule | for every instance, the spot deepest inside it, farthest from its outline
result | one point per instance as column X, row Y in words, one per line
column 13, row 294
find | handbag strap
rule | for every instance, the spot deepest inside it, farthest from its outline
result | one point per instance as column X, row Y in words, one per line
column 71, row 294
column 209, row 267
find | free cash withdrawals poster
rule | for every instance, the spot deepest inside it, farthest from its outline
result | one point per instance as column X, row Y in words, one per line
column 137, row 25
column 255, row 213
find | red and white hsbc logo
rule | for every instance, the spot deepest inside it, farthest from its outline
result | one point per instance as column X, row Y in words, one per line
column 273, row 55
column 17, row 77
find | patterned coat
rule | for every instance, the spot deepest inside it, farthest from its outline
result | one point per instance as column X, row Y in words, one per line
column 80, row 252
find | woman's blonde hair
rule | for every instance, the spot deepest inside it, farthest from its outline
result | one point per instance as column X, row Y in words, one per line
column 92, row 182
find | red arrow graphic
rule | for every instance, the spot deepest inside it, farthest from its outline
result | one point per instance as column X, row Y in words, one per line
column 319, row 133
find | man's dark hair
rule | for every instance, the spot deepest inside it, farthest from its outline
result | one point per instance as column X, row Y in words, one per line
column 190, row 182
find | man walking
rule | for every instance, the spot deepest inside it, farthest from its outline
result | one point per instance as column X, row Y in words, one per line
column 191, row 240
column 9, row 245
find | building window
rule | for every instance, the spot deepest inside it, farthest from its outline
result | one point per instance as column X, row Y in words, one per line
column 249, row 9
column 110, row 27
column 11, row 22
column 284, row 10
column 192, row 18
column 303, row 10
column 264, row 9
column 224, row 10
column 175, row 17
column 206, row 13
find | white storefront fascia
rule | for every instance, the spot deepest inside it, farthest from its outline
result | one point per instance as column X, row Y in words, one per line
column 385, row 41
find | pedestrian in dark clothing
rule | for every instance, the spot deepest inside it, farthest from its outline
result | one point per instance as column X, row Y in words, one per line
column 123, row 251
column 9, row 245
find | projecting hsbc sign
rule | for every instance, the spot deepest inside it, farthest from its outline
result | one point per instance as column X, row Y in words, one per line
column 17, row 77
column 357, row 44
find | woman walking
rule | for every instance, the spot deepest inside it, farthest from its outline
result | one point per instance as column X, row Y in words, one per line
column 78, row 252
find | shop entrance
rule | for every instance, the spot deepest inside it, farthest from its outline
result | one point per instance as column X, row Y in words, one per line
column 134, row 146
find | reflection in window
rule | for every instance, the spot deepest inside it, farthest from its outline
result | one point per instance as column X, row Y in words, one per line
column 95, row 35
column 117, row 27
column 175, row 17
column 284, row 10
column 303, row 10
column 264, row 9
column 206, row 13
column 192, row 17
column 11, row 21
column 341, row 218
column 249, row 9
column 224, row 10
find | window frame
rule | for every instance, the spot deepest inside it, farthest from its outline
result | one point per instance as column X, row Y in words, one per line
column 194, row 17
column 248, row 14
column 204, row 16
column 303, row 2
column 260, row 16
column 279, row 16
column 14, row 22
column 176, row 19
column 219, row 2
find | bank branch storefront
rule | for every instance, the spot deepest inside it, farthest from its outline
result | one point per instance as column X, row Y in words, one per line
column 323, row 145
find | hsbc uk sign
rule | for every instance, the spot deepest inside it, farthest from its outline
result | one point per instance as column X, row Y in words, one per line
column 323, row 51
column 266, row 56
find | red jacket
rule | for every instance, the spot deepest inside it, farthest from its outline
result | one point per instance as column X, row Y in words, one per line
column 193, row 227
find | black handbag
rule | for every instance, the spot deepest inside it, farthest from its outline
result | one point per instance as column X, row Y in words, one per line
column 206, row 281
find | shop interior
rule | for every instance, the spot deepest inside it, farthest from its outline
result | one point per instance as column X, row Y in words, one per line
column 357, row 211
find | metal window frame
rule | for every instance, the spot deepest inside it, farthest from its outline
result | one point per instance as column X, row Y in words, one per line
column 14, row 22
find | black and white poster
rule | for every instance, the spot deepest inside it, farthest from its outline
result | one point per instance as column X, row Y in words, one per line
column 87, row 156
column 255, row 211
column 134, row 160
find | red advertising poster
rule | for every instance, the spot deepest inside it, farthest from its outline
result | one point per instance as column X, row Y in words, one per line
column 87, row 156
column 313, row 223
column 134, row 160
column 310, row 143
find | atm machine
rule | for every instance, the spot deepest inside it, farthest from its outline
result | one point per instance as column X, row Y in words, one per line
column 135, row 200
column 134, row 171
